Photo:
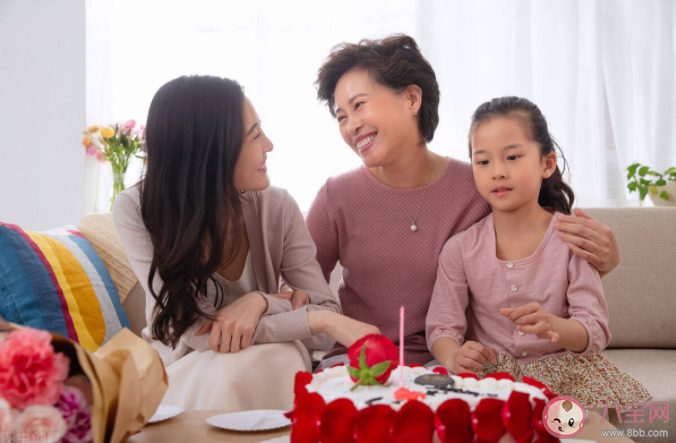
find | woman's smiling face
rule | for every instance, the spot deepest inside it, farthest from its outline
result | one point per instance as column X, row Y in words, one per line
column 375, row 121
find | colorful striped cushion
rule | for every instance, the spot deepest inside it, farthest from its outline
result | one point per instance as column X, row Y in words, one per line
column 56, row 281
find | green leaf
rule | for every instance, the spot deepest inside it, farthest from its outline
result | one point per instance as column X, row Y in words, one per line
column 661, row 183
column 632, row 169
column 653, row 173
column 354, row 372
column 643, row 191
column 362, row 357
column 632, row 186
column 671, row 170
column 645, row 182
column 653, row 189
column 380, row 368
column 372, row 381
column 642, row 172
column 664, row 195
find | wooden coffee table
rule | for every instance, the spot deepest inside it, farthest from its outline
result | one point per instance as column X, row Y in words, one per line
column 192, row 427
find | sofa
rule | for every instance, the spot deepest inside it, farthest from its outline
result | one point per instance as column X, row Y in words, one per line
column 641, row 295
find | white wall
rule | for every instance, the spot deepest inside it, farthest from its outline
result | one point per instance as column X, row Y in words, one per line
column 42, row 111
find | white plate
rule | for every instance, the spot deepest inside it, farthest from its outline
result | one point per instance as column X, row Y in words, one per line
column 285, row 439
column 258, row 420
column 165, row 412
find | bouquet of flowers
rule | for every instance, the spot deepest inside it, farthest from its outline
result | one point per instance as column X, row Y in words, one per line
column 115, row 144
column 52, row 390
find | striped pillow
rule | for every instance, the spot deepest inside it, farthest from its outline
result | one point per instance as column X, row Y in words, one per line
column 56, row 281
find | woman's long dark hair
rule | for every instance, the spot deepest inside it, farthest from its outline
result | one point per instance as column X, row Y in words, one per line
column 554, row 192
column 189, row 203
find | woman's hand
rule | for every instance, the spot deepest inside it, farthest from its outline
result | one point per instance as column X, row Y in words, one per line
column 341, row 328
column 532, row 319
column 472, row 356
column 235, row 324
column 298, row 298
column 590, row 240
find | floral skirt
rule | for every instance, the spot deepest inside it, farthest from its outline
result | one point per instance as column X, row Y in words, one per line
column 592, row 379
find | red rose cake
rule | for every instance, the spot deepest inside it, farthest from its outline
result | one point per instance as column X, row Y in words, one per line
column 365, row 403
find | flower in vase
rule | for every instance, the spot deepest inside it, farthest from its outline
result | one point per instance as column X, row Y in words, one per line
column 93, row 129
column 87, row 141
column 130, row 124
column 107, row 132
column 44, row 421
column 31, row 373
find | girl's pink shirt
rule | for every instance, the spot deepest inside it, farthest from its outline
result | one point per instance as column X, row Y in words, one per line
column 470, row 275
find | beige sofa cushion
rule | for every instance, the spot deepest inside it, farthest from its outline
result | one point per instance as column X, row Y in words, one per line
column 655, row 369
column 101, row 232
column 641, row 291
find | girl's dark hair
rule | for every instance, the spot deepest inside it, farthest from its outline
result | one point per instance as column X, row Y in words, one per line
column 189, row 203
column 554, row 192
column 395, row 62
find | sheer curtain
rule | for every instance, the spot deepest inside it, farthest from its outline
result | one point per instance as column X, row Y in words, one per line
column 601, row 71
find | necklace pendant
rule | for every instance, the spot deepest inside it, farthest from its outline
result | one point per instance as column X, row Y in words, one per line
column 414, row 227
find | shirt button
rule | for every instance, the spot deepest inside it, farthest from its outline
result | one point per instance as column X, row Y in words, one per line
column 510, row 265
column 524, row 353
column 514, row 288
column 521, row 333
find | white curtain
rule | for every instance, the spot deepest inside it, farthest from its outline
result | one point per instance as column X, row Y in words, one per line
column 602, row 71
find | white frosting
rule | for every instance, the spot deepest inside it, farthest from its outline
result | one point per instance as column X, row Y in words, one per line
column 335, row 383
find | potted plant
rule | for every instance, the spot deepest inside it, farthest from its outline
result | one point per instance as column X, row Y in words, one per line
column 661, row 187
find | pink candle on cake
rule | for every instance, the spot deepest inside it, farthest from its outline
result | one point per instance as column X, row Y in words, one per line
column 401, row 347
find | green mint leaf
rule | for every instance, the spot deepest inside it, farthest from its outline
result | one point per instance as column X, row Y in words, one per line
column 380, row 368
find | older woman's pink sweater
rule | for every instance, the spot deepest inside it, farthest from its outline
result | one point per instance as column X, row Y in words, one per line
column 355, row 219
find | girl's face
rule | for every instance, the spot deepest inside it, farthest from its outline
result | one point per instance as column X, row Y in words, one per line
column 251, row 171
column 507, row 165
column 376, row 122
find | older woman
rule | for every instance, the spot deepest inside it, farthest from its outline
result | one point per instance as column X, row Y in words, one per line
column 387, row 221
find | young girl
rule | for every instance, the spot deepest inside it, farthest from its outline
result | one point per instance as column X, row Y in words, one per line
column 535, row 308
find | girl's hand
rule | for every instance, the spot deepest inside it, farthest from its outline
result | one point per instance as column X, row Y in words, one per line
column 235, row 324
column 472, row 356
column 590, row 240
column 341, row 328
column 297, row 298
column 532, row 319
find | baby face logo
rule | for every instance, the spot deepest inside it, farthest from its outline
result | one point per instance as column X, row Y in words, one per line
column 563, row 417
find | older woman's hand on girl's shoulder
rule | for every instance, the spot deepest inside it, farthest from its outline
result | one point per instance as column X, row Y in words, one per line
column 590, row 240
column 235, row 324
column 341, row 328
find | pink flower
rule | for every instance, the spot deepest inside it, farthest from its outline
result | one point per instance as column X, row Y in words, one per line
column 130, row 124
column 91, row 150
column 6, row 421
column 31, row 373
column 77, row 415
column 45, row 421
column 99, row 157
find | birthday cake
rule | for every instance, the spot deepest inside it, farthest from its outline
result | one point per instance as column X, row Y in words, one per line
column 362, row 403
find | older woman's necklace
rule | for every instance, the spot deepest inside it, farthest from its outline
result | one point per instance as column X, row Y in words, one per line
column 414, row 220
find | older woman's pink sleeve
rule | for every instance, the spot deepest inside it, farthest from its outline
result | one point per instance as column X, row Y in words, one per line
column 587, row 305
column 446, row 315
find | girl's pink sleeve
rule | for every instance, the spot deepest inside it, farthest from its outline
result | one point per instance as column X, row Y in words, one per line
column 586, row 303
column 323, row 232
column 446, row 315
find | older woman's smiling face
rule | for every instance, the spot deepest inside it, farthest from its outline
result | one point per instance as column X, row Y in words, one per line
column 375, row 121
